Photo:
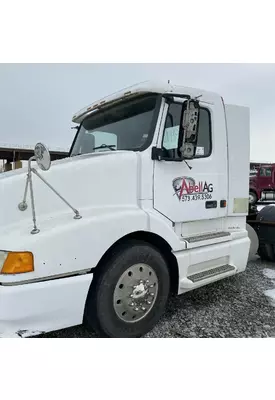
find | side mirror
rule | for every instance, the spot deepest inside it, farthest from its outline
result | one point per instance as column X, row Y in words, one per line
column 189, row 129
column 42, row 156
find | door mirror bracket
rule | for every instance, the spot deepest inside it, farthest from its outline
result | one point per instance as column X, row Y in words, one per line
column 189, row 127
column 187, row 137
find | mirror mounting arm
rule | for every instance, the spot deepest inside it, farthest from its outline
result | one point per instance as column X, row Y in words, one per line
column 77, row 214
column 188, row 135
column 23, row 205
column 43, row 160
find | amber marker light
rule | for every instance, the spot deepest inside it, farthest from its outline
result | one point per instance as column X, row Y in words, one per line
column 17, row 262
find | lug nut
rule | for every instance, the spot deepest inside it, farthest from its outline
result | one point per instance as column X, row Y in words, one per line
column 151, row 286
column 143, row 308
column 136, row 309
column 131, row 295
column 147, row 281
column 149, row 302
column 132, row 304
column 141, row 281
column 152, row 294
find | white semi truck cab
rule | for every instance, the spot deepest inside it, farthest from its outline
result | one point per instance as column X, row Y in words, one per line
column 152, row 199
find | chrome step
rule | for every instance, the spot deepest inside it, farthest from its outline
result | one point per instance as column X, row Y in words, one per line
column 210, row 273
column 207, row 236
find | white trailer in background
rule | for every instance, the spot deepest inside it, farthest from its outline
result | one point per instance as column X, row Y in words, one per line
column 157, row 181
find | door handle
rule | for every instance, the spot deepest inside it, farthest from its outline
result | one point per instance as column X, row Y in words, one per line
column 211, row 204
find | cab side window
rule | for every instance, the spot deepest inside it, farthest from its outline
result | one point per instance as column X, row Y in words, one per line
column 172, row 128
column 268, row 172
column 265, row 172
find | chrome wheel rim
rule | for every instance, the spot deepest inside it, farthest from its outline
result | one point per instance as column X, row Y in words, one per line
column 135, row 293
column 251, row 198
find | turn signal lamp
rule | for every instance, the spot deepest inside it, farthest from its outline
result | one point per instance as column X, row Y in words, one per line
column 16, row 262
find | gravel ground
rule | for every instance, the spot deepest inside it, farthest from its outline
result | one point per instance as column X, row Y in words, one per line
column 234, row 307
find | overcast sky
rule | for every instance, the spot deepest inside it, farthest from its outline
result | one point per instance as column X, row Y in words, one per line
column 37, row 101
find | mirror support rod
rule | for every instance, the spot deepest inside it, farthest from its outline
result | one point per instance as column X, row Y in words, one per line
column 23, row 205
column 77, row 215
column 35, row 229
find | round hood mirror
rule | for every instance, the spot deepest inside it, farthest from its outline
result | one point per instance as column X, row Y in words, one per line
column 42, row 156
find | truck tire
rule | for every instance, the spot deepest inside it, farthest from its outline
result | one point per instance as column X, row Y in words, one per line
column 267, row 252
column 254, row 242
column 266, row 233
column 129, row 292
column 253, row 198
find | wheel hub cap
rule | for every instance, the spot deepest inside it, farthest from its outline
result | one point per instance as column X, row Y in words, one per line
column 135, row 293
column 140, row 291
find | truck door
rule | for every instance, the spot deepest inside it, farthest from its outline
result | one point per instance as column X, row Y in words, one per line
column 198, row 194
column 265, row 178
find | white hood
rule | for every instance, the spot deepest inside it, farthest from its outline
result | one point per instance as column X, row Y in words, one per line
column 88, row 182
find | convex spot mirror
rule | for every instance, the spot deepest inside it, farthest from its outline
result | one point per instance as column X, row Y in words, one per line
column 189, row 127
column 42, row 156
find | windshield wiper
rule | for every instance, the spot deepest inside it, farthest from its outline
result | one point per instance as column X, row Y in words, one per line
column 106, row 146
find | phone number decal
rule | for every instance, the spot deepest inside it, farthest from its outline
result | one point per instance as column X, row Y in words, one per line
column 192, row 197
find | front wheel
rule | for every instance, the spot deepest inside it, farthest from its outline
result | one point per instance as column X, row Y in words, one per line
column 129, row 292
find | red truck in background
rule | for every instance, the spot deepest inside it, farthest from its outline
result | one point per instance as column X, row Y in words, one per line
column 261, row 183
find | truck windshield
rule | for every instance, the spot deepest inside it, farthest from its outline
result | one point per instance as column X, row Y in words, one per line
column 127, row 126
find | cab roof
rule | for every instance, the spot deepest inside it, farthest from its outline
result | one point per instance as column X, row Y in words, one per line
column 143, row 88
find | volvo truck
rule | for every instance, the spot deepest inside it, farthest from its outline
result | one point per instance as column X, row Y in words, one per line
column 152, row 200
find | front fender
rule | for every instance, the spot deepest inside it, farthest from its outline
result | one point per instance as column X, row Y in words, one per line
column 66, row 245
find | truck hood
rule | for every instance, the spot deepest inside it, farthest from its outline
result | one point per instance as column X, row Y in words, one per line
column 87, row 182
